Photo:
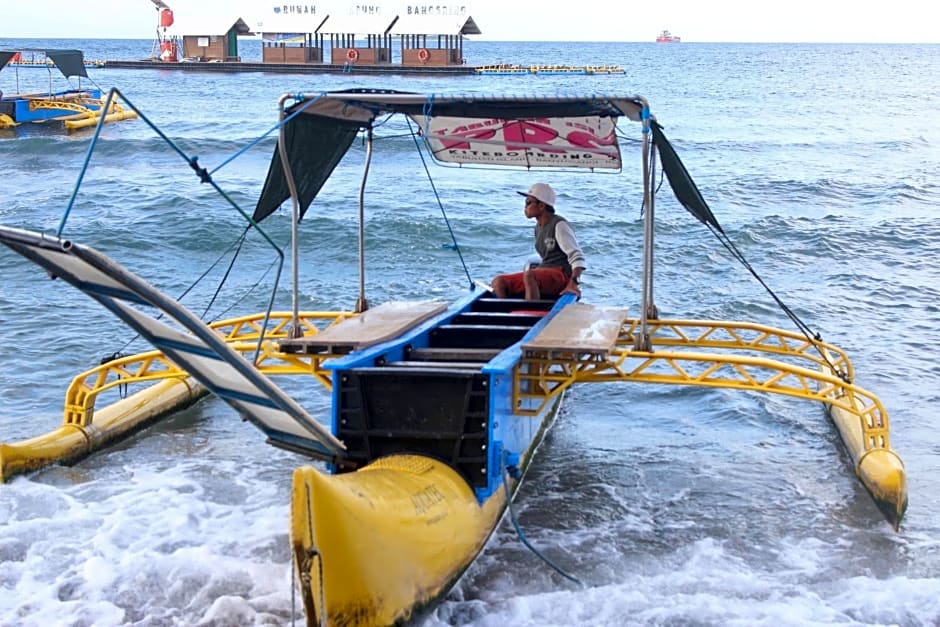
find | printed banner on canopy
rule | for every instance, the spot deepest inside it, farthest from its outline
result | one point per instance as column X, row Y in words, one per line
column 581, row 142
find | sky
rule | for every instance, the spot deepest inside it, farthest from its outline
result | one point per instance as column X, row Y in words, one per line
column 827, row 21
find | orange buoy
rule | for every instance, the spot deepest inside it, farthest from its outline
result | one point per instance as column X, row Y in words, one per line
column 352, row 55
column 423, row 55
column 166, row 18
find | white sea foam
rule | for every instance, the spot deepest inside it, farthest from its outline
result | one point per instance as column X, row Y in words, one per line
column 711, row 588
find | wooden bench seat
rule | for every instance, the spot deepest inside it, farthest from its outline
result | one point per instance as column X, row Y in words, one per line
column 379, row 324
column 581, row 329
column 452, row 354
column 449, row 365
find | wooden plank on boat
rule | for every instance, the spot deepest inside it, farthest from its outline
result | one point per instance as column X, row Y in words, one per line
column 452, row 354
column 582, row 329
column 380, row 324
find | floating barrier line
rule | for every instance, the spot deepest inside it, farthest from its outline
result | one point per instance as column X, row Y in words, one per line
column 548, row 70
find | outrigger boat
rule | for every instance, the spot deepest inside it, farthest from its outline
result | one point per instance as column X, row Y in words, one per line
column 75, row 108
column 437, row 408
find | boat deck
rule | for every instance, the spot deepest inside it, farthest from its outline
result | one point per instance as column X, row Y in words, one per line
column 581, row 329
column 380, row 324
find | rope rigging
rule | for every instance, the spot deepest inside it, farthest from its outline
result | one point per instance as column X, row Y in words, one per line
column 690, row 197
column 205, row 176
column 440, row 204
column 237, row 246
column 514, row 472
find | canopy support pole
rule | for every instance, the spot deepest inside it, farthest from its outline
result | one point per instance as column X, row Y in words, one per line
column 361, row 303
column 295, row 328
column 641, row 341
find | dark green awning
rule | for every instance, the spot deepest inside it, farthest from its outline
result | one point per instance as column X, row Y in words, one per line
column 687, row 193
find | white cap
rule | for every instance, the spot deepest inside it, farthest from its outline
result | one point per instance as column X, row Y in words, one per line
column 542, row 192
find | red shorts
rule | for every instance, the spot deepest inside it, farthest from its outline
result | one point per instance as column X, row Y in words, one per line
column 551, row 281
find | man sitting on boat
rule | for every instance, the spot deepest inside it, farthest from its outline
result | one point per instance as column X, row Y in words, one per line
column 562, row 261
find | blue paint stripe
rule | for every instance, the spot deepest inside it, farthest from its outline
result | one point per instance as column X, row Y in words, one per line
column 111, row 292
column 263, row 401
column 168, row 344
column 296, row 442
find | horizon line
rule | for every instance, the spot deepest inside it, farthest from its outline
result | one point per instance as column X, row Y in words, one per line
column 499, row 40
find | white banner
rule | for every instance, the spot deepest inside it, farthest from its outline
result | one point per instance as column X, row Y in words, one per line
column 581, row 142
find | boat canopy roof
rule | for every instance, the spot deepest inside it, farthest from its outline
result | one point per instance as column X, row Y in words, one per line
column 526, row 132
column 69, row 62
column 208, row 25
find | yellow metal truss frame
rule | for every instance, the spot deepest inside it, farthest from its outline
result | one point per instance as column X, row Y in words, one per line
column 80, row 106
column 741, row 356
column 241, row 333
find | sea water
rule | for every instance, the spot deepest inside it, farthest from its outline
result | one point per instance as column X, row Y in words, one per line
column 673, row 506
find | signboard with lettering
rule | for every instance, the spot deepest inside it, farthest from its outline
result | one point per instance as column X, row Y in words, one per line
column 582, row 142
column 293, row 19
column 436, row 9
column 295, row 9
column 367, row 9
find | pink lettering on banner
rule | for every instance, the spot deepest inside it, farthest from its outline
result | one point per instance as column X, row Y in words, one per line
column 570, row 140
column 478, row 133
column 590, row 140
column 517, row 135
column 530, row 133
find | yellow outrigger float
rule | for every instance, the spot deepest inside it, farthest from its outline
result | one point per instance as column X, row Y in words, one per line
column 437, row 408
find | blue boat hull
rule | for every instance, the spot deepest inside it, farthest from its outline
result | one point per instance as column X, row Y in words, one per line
column 36, row 108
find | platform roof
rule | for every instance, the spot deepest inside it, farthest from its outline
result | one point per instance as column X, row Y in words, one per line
column 435, row 25
column 219, row 23
column 287, row 22
column 357, row 24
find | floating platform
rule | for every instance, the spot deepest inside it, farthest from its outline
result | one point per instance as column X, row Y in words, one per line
column 352, row 68
column 291, row 68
